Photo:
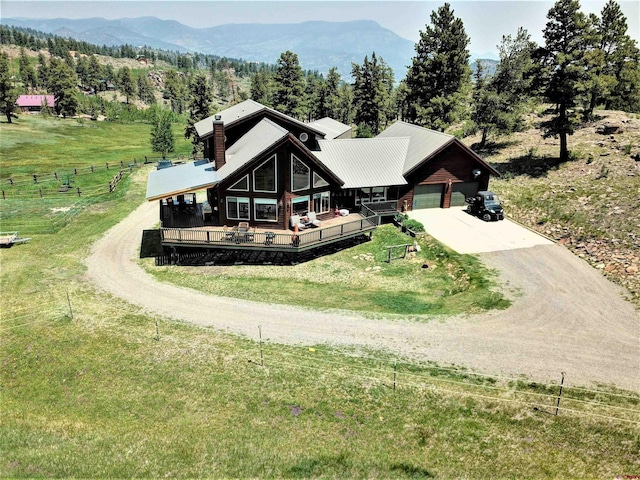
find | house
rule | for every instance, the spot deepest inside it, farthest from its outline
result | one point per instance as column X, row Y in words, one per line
column 33, row 103
column 267, row 170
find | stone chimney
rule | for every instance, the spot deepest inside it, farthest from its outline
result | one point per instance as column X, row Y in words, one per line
column 219, row 156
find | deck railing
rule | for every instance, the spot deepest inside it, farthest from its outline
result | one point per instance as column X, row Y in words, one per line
column 266, row 240
column 389, row 206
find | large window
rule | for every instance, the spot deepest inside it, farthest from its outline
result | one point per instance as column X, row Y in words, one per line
column 238, row 208
column 299, row 175
column 265, row 209
column 241, row 185
column 300, row 205
column 264, row 177
column 321, row 202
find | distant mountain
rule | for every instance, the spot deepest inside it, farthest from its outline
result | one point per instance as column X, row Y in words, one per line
column 320, row 45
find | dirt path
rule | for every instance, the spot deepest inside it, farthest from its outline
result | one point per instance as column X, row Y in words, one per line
column 565, row 317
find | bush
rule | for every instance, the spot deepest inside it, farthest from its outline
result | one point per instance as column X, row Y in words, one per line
column 413, row 225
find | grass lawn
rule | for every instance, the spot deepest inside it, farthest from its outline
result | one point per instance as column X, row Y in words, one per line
column 98, row 395
column 358, row 279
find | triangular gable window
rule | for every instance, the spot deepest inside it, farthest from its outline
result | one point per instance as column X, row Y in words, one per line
column 318, row 181
column 299, row 174
column 264, row 177
column 241, row 185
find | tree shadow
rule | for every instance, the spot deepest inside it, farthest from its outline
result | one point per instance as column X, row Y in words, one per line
column 493, row 148
column 411, row 471
column 528, row 164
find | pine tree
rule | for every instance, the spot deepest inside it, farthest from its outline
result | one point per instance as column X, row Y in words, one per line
column 332, row 94
column 373, row 83
column 62, row 84
column 199, row 108
column 563, row 73
column 439, row 76
column 288, row 96
column 162, row 140
column 261, row 88
column 127, row 85
column 146, row 92
column 8, row 93
column 176, row 90
column 27, row 73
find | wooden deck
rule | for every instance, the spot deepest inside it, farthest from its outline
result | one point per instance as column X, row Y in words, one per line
column 332, row 230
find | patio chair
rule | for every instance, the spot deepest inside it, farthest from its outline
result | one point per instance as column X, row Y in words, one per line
column 295, row 220
column 313, row 220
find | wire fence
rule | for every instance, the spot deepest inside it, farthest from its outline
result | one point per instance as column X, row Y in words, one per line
column 615, row 406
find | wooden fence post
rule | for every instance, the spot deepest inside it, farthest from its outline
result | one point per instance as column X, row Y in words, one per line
column 560, row 393
column 35, row 178
column 261, row 356
column 107, row 165
column 79, row 191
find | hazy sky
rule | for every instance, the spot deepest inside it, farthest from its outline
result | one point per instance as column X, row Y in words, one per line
column 485, row 21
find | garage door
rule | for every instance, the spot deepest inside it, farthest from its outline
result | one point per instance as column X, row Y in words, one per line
column 427, row 196
column 462, row 190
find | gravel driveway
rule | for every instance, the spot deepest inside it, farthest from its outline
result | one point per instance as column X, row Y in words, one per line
column 566, row 316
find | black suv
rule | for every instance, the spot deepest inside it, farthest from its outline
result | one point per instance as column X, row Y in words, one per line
column 485, row 205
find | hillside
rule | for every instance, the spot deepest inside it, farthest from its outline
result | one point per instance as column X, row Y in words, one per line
column 591, row 204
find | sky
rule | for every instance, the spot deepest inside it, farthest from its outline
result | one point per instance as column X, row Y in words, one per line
column 485, row 21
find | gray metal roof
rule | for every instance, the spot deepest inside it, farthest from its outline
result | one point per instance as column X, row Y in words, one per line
column 265, row 134
column 330, row 127
column 187, row 177
column 365, row 162
column 237, row 112
column 424, row 142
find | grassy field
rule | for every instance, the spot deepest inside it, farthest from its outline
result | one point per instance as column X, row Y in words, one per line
column 91, row 391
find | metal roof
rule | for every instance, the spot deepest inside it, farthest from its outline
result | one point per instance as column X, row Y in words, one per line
column 424, row 142
column 187, row 177
column 330, row 127
column 265, row 134
column 35, row 100
column 365, row 162
column 238, row 112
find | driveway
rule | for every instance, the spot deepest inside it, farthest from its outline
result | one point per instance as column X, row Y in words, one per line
column 465, row 233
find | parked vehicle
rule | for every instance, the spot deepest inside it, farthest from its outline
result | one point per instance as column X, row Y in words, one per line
column 485, row 205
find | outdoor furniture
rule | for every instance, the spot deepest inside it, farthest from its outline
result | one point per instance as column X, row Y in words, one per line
column 312, row 220
column 229, row 233
column 295, row 220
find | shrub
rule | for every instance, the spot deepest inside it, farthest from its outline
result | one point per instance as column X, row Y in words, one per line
column 413, row 225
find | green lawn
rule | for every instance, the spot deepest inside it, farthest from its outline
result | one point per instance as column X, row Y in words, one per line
column 98, row 395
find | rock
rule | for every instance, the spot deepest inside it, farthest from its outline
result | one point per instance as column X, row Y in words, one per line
column 609, row 128
column 631, row 269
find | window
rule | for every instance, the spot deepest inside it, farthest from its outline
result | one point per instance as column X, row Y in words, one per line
column 265, row 209
column 300, row 205
column 378, row 194
column 318, row 181
column 321, row 202
column 238, row 208
column 299, row 175
column 241, row 185
column 264, row 177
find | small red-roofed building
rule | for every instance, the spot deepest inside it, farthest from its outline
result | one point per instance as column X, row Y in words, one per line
column 33, row 103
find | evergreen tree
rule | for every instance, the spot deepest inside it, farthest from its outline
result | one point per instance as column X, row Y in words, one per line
column 43, row 70
column 146, row 92
column 615, row 63
column 222, row 83
column 62, row 84
column 439, row 76
column 261, row 88
column 126, row 83
column 95, row 74
column 373, row 82
column 563, row 72
column 288, row 96
column 332, row 94
column 8, row 93
column 162, row 140
column 175, row 90
column 199, row 108
column 498, row 102
column 27, row 73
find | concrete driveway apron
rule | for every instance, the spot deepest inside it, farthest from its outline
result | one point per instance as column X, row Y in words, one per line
column 465, row 233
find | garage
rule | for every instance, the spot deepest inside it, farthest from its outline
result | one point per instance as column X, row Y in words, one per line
column 462, row 190
column 427, row 196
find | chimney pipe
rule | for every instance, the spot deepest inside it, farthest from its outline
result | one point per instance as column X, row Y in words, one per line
column 219, row 156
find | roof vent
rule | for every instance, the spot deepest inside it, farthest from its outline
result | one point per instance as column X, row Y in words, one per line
column 304, row 137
